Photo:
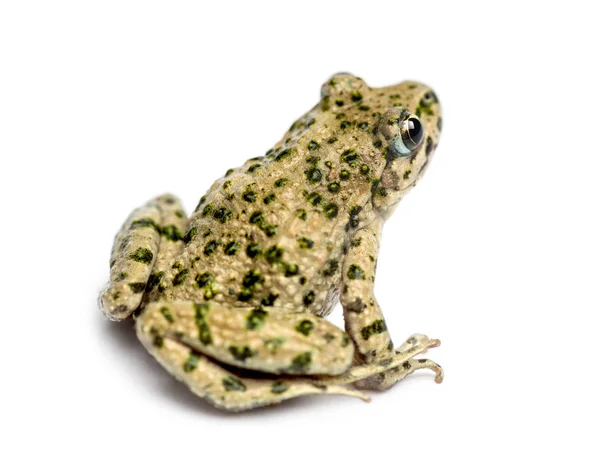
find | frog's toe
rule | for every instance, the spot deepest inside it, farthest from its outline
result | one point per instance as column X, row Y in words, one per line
column 416, row 341
column 385, row 373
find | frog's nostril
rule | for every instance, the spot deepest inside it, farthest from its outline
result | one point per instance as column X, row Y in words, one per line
column 429, row 98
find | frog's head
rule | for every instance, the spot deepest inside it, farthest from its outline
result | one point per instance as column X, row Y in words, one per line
column 409, row 131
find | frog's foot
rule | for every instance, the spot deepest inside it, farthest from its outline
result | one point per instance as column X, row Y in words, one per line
column 386, row 379
column 398, row 366
column 213, row 349
column 142, row 249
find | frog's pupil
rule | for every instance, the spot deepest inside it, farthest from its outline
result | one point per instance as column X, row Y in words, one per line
column 415, row 133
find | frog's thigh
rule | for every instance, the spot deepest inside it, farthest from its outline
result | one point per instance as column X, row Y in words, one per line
column 180, row 336
column 230, row 391
column 270, row 340
column 143, row 247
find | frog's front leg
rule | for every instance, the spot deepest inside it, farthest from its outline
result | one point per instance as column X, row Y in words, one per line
column 143, row 248
column 202, row 344
column 364, row 318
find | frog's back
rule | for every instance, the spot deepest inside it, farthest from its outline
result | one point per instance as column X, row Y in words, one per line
column 272, row 232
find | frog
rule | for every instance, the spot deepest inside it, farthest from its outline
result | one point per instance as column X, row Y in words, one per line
column 232, row 300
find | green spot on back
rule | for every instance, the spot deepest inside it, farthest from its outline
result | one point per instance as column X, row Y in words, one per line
column 241, row 353
column 180, row 277
column 231, row 248
column 252, row 277
column 269, row 198
column 190, row 234
column 257, row 218
column 231, row 383
column 222, row 215
column 155, row 279
column 256, row 319
column 305, row 327
column 144, row 223
column 167, row 314
column 270, row 230
column 245, row 294
column 331, row 267
column 314, row 198
column 249, row 196
column 210, row 248
column 300, row 363
column 274, row 254
column 201, row 312
column 202, row 280
column 158, row 341
column 142, row 255
column 313, row 175
column 350, row 157
column 354, row 219
column 278, row 387
column 137, row 287
column 192, row 362
column 309, row 298
column 334, row 187
column 273, row 344
column 305, row 243
column 355, row 272
column 284, row 154
column 291, row 269
column 346, row 340
column 269, row 300
column 171, row 233
column 378, row 326
column 331, row 210
column 253, row 250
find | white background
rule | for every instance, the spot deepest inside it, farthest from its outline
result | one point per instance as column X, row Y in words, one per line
column 104, row 105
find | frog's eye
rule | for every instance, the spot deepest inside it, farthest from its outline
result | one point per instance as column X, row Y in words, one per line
column 411, row 136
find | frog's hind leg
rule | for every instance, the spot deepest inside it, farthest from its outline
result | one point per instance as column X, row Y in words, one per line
column 210, row 348
column 269, row 340
column 142, row 249
column 229, row 390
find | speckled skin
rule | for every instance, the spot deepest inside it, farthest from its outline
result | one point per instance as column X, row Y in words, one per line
column 243, row 284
